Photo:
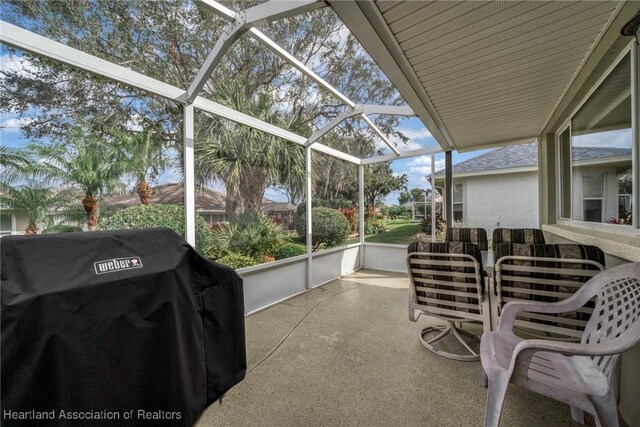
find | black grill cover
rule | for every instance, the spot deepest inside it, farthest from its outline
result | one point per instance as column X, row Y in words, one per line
column 96, row 325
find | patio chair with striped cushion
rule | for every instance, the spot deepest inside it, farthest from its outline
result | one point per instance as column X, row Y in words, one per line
column 468, row 235
column 546, row 273
column 447, row 282
column 530, row 236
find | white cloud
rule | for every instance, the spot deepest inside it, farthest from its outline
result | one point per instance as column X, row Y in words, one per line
column 11, row 62
column 419, row 168
column 14, row 124
column 134, row 123
column 417, row 133
column 417, row 137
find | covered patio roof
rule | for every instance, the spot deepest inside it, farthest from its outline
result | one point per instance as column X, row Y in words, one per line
column 479, row 74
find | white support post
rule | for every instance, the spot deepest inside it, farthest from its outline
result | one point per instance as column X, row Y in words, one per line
column 189, row 176
column 361, row 213
column 434, row 221
column 309, row 221
column 635, row 126
column 448, row 188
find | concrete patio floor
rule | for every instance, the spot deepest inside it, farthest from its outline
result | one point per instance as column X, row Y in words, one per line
column 346, row 354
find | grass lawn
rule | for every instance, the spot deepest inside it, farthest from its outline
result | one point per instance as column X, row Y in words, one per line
column 400, row 232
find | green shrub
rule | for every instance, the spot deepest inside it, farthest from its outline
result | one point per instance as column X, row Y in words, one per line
column 329, row 227
column 236, row 261
column 158, row 215
column 62, row 228
column 289, row 250
column 250, row 234
column 322, row 203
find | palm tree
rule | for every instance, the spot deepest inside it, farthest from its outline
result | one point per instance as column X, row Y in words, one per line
column 35, row 202
column 247, row 160
column 13, row 163
column 88, row 162
column 144, row 158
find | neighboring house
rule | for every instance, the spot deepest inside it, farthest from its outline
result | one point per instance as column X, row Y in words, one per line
column 281, row 212
column 12, row 224
column 500, row 188
column 210, row 204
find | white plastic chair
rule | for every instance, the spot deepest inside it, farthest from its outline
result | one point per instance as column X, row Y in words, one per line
column 578, row 374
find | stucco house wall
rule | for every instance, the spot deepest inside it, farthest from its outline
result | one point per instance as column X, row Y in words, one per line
column 500, row 200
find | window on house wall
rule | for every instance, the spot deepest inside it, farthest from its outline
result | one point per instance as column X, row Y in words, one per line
column 457, row 202
column 592, row 197
column 595, row 154
column 6, row 224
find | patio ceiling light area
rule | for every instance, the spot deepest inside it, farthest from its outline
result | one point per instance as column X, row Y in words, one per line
column 483, row 72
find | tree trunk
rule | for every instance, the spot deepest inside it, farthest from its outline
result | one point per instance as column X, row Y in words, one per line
column 252, row 188
column 90, row 205
column 144, row 191
column 31, row 230
column 233, row 204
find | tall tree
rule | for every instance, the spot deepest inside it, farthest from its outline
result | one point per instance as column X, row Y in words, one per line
column 379, row 182
column 169, row 40
column 13, row 164
column 143, row 158
column 93, row 165
column 247, row 160
column 35, row 202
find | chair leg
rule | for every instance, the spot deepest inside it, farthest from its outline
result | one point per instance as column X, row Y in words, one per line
column 495, row 399
column 577, row 415
column 606, row 409
column 484, row 380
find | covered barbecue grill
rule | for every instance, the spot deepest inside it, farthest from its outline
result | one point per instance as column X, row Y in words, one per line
column 132, row 327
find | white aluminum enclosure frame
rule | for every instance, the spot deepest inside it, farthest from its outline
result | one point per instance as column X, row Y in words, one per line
column 190, row 99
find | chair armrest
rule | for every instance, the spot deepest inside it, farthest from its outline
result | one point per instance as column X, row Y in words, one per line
column 512, row 308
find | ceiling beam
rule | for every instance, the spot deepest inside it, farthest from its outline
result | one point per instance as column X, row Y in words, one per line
column 366, row 23
column 33, row 43
column 277, row 9
column 326, row 128
column 403, row 155
column 228, row 14
column 229, row 35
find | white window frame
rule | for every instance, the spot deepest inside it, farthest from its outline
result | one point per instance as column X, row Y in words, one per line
column 632, row 50
column 13, row 225
column 461, row 203
column 602, row 196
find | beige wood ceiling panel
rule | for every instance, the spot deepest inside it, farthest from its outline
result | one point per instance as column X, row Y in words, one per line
column 494, row 71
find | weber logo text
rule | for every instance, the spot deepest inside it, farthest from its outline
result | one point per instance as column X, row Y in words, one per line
column 117, row 264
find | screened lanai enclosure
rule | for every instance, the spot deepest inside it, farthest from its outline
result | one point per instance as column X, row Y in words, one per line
column 243, row 110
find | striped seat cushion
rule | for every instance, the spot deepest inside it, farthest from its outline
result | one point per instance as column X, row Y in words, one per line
column 530, row 236
column 469, row 235
column 565, row 251
column 448, row 248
